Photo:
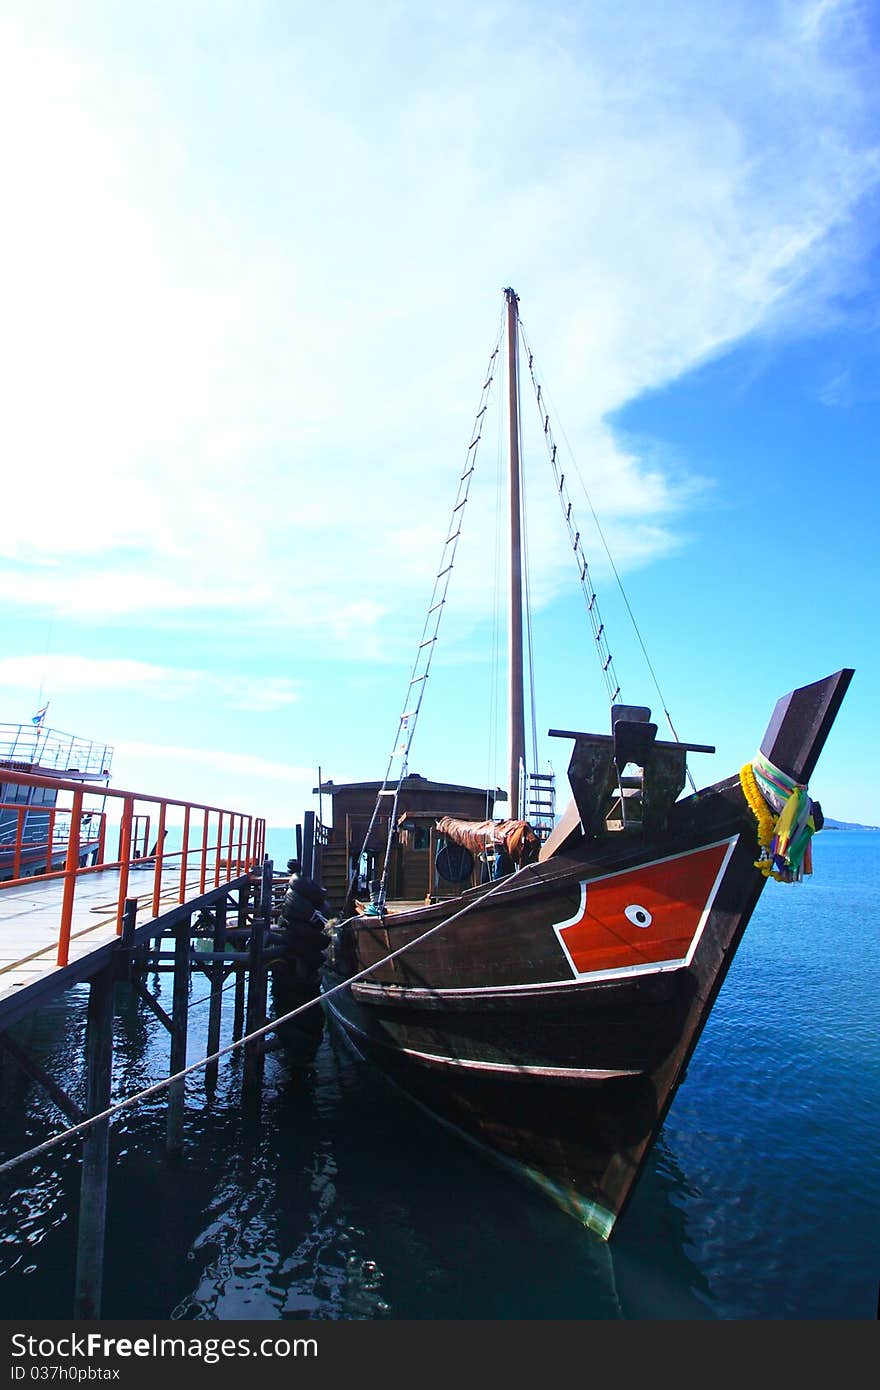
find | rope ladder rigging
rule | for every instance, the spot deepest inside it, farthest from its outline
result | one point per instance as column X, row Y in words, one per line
column 415, row 691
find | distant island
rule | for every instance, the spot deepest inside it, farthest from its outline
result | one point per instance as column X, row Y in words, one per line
column 846, row 825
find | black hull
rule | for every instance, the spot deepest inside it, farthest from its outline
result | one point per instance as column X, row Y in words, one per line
column 562, row 1135
column 567, row 1032
column 551, row 1017
column 567, row 1081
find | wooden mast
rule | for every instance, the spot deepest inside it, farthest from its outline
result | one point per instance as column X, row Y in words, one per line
column 516, row 718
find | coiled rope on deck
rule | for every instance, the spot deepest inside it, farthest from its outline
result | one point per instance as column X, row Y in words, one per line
column 786, row 819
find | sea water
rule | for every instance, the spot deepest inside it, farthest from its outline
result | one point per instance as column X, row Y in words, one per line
column 331, row 1196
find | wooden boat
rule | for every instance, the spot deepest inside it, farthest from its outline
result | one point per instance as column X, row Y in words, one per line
column 549, row 1013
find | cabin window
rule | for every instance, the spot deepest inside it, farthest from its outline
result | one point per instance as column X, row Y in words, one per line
column 415, row 836
column 14, row 792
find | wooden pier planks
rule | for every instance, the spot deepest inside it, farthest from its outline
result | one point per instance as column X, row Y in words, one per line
column 30, row 914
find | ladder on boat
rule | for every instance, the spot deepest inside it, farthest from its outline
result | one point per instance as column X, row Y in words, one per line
column 541, row 802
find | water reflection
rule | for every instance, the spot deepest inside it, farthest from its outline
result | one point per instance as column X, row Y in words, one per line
column 329, row 1195
column 656, row 1276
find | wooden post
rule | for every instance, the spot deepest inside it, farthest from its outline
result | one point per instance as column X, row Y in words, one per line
column 516, row 727
column 9, row 1074
column 179, row 1019
column 257, row 982
column 93, row 1182
column 129, row 923
column 238, row 1003
column 244, row 895
column 308, row 859
column 215, row 1008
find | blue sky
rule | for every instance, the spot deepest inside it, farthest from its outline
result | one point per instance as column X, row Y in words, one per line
column 253, row 260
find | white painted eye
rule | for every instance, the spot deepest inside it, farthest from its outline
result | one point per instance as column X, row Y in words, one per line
column 639, row 916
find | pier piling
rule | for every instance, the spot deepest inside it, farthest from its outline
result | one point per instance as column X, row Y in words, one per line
column 257, row 992
column 216, row 975
column 197, row 935
column 179, row 1018
column 95, row 1148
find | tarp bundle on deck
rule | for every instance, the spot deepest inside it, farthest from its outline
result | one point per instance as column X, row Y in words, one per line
column 515, row 837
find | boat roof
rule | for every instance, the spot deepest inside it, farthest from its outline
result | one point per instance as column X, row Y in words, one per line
column 414, row 781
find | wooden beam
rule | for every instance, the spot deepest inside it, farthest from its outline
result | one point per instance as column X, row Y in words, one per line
column 68, row 1107
column 155, row 1007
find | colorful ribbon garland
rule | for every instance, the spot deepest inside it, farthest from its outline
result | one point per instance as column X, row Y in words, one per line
column 786, row 824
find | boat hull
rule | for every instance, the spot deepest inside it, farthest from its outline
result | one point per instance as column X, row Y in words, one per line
column 501, row 1027
column 575, row 1137
column 550, row 1016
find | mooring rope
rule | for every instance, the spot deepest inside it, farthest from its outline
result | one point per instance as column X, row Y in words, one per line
column 271, row 1027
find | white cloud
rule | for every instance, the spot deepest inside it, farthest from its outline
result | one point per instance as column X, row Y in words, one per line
column 65, row 675
column 240, row 764
column 241, row 782
column 241, row 340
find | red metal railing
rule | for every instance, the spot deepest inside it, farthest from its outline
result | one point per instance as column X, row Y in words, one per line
column 39, row 835
column 217, row 845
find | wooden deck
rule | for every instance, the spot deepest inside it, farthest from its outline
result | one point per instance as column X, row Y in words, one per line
column 30, row 913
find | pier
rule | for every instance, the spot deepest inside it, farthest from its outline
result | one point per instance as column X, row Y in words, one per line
column 206, row 906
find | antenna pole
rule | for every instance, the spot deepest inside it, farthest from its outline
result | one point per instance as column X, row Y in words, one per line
column 516, row 726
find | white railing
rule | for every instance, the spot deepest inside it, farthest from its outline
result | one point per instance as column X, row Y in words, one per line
column 50, row 748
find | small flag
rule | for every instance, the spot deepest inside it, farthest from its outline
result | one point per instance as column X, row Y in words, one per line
column 40, row 715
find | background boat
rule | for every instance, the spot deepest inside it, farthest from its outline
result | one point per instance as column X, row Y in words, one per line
column 35, row 820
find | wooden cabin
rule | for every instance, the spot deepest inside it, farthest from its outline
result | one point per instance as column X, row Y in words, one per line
column 413, row 874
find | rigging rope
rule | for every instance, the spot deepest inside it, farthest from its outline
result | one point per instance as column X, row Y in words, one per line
column 605, row 659
column 586, row 581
